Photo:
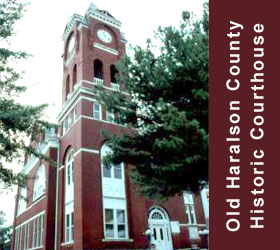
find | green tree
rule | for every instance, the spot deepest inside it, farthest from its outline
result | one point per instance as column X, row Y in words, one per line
column 17, row 122
column 166, row 112
column 5, row 233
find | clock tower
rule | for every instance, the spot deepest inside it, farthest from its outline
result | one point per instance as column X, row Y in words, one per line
column 81, row 203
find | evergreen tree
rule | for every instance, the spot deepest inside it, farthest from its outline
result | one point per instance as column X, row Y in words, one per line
column 5, row 233
column 166, row 111
column 17, row 122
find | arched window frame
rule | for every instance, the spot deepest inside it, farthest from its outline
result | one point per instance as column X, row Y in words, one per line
column 98, row 72
column 39, row 187
column 67, row 87
column 74, row 76
column 114, row 213
column 22, row 203
column 112, row 171
column 69, row 197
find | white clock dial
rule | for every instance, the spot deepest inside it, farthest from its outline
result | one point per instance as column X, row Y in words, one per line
column 71, row 44
column 104, row 36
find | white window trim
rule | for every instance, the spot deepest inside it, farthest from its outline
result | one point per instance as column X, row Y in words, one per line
column 190, row 209
column 108, row 114
column 39, row 189
column 115, row 225
column 99, row 111
column 71, row 227
column 69, row 204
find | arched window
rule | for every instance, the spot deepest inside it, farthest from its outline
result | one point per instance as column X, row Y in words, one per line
column 70, row 46
column 22, row 200
column 67, row 87
column 114, row 73
column 113, row 189
column 98, row 69
column 69, row 168
column 74, row 81
column 110, row 171
column 39, row 183
column 69, row 196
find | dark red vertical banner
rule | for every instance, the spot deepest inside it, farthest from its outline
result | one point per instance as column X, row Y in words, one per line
column 232, row 223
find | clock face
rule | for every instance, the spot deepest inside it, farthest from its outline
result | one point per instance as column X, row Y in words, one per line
column 104, row 36
column 71, row 44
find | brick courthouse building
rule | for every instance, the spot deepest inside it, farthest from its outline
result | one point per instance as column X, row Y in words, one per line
column 74, row 202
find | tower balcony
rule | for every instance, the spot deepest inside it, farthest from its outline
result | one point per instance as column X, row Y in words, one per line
column 98, row 81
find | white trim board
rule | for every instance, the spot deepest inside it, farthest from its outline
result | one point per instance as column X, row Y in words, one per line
column 30, row 219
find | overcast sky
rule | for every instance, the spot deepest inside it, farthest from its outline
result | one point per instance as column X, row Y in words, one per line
column 39, row 33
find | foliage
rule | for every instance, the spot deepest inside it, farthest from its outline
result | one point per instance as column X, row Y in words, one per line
column 5, row 233
column 166, row 112
column 16, row 121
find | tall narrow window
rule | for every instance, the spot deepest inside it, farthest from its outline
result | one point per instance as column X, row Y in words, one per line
column 39, row 183
column 98, row 69
column 74, row 79
column 42, row 229
column 114, row 73
column 114, row 198
column 110, row 116
column 22, row 200
column 69, row 197
column 67, row 87
column 190, row 211
column 97, row 112
column 34, row 234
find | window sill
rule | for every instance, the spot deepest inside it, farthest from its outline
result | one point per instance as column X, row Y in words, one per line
column 67, row 243
column 117, row 240
column 36, row 247
column 37, row 199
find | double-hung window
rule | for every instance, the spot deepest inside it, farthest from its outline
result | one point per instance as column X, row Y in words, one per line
column 115, row 224
column 69, row 227
column 190, row 211
column 69, row 197
column 110, row 117
column 97, row 113
column 39, row 183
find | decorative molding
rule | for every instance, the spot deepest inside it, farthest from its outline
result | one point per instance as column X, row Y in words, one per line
column 91, row 118
column 87, row 150
column 70, row 25
column 49, row 143
column 67, row 243
column 103, row 18
column 115, row 240
column 67, row 107
column 105, row 48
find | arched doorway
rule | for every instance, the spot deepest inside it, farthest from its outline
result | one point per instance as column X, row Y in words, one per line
column 159, row 225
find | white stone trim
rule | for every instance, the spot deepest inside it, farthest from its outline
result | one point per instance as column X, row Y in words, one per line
column 67, row 243
column 82, row 26
column 79, row 89
column 30, row 219
column 87, row 150
column 105, row 48
column 91, row 118
column 197, row 225
column 104, row 18
column 116, row 240
column 62, row 167
column 70, row 24
column 50, row 143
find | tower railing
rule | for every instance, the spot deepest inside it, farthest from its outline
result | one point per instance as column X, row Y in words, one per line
column 98, row 81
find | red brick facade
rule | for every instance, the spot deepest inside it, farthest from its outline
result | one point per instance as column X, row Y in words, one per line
column 82, row 133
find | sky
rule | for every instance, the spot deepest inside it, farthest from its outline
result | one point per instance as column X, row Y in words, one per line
column 39, row 33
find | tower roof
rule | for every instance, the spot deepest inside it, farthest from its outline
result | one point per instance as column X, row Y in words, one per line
column 94, row 12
